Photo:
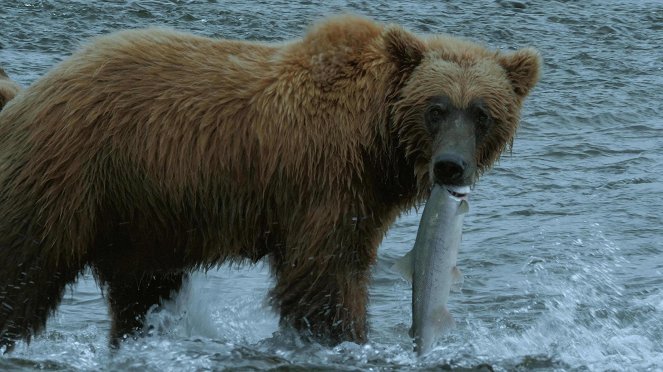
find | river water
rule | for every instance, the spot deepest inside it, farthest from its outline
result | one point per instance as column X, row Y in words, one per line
column 562, row 250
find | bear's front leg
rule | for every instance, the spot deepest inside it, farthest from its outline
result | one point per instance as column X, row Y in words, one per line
column 322, row 288
column 131, row 295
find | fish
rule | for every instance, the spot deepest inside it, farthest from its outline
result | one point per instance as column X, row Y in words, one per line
column 431, row 264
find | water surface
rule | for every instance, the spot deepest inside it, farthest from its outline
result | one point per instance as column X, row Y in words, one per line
column 562, row 251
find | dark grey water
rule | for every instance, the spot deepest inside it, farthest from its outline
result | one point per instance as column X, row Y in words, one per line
column 562, row 253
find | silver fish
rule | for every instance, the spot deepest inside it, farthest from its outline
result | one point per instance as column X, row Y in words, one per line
column 431, row 264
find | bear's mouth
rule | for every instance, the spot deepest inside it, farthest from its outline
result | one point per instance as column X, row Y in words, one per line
column 458, row 192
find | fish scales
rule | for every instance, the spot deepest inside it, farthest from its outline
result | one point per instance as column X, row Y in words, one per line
column 431, row 265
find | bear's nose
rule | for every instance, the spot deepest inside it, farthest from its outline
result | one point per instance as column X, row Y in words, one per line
column 449, row 169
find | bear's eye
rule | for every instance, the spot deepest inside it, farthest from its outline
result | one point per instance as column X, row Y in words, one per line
column 482, row 118
column 434, row 117
column 436, row 114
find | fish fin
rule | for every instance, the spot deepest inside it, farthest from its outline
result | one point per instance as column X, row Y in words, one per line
column 464, row 207
column 457, row 279
column 405, row 266
column 445, row 321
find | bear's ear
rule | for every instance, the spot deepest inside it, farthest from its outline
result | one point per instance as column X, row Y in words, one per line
column 404, row 48
column 522, row 68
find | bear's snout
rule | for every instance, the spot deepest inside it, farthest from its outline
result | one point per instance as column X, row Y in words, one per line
column 449, row 169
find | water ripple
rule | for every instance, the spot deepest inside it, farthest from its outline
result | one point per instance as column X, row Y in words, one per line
column 561, row 251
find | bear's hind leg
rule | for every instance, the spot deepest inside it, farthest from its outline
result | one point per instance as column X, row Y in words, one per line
column 31, row 288
column 131, row 295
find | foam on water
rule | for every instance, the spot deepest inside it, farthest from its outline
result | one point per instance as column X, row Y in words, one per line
column 586, row 318
column 579, row 318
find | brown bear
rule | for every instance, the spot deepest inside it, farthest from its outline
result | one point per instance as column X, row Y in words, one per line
column 8, row 89
column 151, row 153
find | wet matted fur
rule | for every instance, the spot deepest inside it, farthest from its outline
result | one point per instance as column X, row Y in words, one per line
column 150, row 153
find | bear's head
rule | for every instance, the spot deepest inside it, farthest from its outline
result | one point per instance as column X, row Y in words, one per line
column 458, row 104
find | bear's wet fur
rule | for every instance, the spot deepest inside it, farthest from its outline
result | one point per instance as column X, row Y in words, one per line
column 151, row 153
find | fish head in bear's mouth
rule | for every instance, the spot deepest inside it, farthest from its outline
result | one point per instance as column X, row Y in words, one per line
column 458, row 192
